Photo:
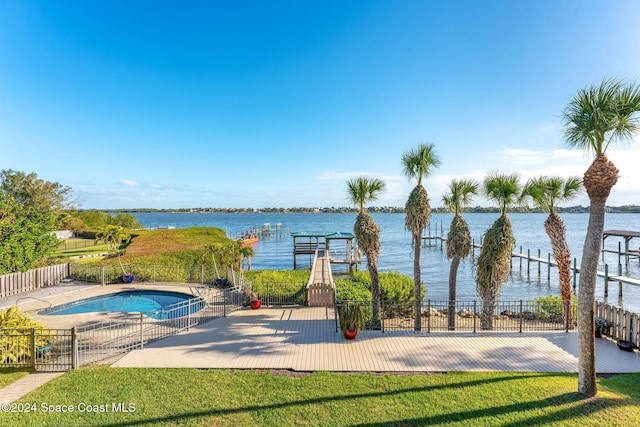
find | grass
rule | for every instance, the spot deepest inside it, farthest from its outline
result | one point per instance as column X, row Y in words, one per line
column 9, row 375
column 241, row 398
column 79, row 247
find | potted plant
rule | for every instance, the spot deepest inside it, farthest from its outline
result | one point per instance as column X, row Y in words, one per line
column 602, row 327
column 352, row 318
column 254, row 300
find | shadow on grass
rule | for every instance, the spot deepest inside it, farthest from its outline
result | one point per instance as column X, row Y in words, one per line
column 586, row 407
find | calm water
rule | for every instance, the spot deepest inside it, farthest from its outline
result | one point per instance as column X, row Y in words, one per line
column 395, row 253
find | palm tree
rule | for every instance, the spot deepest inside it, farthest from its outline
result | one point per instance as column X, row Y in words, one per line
column 418, row 164
column 493, row 264
column 460, row 194
column 246, row 253
column 596, row 117
column 546, row 193
column 113, row 236
column 362, row 190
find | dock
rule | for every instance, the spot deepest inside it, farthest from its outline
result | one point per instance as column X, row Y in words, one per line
column 549, row 262
column 337, row 245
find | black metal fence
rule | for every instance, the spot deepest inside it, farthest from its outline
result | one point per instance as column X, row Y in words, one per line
column 40, row 349
column 471, row 316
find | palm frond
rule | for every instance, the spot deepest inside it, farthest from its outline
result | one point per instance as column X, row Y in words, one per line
column 418, row 163
column 600, row 115
column 362, row 189
column 548, row 192
column 460, row 194
column 502, row 188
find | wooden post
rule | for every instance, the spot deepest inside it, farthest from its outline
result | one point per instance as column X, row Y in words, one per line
column 548, row 266
column 575, row 272
column 619, row 282
column 528, row 261
column 538, row 263
column 606, row 280
column 520, row 258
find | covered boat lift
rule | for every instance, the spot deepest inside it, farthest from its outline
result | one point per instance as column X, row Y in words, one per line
column 627, row 252
column 307, row 243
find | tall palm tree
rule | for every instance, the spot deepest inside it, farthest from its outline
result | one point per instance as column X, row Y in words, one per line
column 596, row 117
column 362, row 190
column 493, row 264
column 546, row 193
column 460, row 194
column 418, row 164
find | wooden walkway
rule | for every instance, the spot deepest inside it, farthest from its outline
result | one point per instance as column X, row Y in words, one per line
column 305, row 339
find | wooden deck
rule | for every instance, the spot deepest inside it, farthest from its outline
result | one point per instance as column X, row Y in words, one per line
column 305, row 339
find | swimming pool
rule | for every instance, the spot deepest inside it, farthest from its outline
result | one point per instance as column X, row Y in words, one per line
column 156, row 304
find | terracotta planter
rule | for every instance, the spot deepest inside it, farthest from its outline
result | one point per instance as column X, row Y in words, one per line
column 350, row 334
column 255, row 304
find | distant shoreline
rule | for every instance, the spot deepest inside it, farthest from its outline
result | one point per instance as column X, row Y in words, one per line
column 384, row 209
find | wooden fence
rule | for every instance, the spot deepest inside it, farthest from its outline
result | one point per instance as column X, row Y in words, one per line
column 17, row 283
column 624, row 324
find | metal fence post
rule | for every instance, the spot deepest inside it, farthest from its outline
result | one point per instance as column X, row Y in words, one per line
column 567, row 312
column 575, row 272
column 74, row 348
column 429, row 316
column 141, row 331
column 188, row 314
column 32, row 344
column 475, row 310
column 521, row 316
column 224, row 302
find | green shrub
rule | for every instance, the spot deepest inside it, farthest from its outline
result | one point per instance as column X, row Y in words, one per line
column 262, row 277
column 393, row 287
column 15, row 345
column 551, row 305
column 279, row 285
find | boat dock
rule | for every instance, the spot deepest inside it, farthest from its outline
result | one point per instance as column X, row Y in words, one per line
column 307, row 243
column 538, row 261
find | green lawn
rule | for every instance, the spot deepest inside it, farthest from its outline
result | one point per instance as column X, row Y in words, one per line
column 78, row 247
column 212, row 397
column 9, row 375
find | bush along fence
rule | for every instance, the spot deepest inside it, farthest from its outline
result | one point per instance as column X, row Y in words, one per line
column 507, row 316
column 63, row 349
column 16, row 283
column 106, row 275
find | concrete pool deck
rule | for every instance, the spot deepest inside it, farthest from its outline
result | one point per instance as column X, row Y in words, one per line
column 32, row 302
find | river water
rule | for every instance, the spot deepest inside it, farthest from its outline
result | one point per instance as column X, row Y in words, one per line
column 276, row 252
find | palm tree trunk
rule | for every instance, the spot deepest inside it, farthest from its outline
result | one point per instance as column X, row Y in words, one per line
column 554, row 226
column 586, row 298
column 417, row 302
column 372, row 265
column 453, row 278
column 488, row 310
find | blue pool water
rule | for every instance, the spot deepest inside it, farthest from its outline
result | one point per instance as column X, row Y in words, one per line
column 156, row 304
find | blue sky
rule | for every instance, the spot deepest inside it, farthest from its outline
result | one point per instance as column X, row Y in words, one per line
column 170, row 104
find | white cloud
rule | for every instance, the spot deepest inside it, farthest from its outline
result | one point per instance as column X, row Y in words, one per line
column 130, row 183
